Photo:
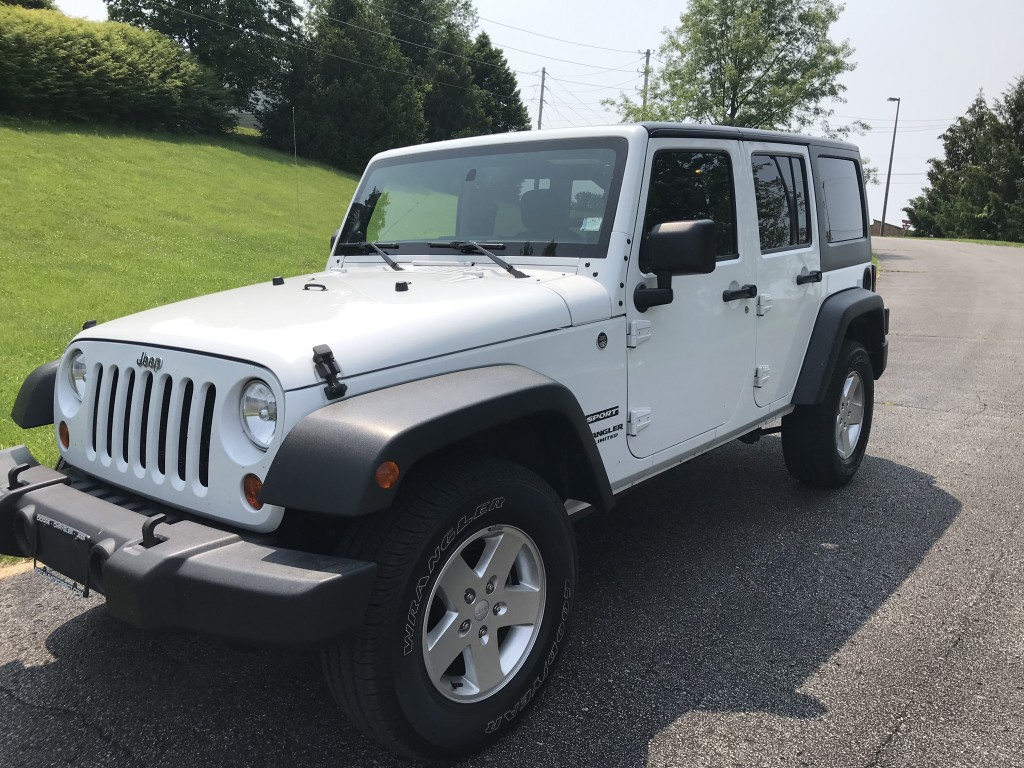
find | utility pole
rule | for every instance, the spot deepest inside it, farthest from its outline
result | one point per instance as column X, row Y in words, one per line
column 647, row 72
column 892, row 151
column 540, row 113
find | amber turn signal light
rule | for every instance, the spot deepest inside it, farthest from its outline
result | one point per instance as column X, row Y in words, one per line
column 65, row 435
column 386, row 475
column 252, row 487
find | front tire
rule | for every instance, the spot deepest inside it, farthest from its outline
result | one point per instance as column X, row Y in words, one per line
column 474, row 593
column 824, row 444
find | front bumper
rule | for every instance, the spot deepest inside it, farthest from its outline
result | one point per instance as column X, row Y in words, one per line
column 182, row 575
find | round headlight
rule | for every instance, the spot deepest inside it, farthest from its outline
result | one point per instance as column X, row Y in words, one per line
column 258, row 410
column 76, row 373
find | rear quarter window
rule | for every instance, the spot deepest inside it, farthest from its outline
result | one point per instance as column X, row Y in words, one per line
column 843, row 199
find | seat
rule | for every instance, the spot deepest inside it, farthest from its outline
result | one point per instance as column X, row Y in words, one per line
column 545, row 215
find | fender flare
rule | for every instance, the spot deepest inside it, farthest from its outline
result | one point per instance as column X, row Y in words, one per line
column 33, row 406
column 853, row 313
column 327, row 461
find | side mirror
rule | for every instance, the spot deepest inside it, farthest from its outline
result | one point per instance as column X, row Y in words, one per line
column 674, row 248
column 334, row 239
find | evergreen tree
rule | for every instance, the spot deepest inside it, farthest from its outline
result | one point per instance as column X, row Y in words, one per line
column 246, row 42
column 353, row 92
column 503, row 106
column 435, row 36
column 976, row 190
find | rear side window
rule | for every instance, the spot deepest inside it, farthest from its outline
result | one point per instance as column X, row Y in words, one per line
column 843, row 198
column 780, row 185
column 688, row 185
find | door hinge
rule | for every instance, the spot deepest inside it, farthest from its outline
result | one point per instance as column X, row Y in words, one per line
column 761, row 374
column 639, row 332
column 639, row 418
column 764, row 303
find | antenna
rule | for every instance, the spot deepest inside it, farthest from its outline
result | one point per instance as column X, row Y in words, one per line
column 540, row 115
column 295, row 154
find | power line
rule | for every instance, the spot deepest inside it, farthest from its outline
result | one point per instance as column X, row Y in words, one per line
column 908, row 120
column 582, row 103
column 420, row 45
column 313, row 50
column 557, row 39
column 502, row 45
column 586, row 120
column 551, row 105
column 598, row 88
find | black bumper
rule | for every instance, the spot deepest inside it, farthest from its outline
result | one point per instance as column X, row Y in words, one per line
column 185, row 576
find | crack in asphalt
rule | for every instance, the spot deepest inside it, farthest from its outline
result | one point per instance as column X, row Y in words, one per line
column 890, row 737
column 88, row 726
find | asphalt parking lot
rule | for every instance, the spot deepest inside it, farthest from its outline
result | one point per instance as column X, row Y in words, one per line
column 727, row 616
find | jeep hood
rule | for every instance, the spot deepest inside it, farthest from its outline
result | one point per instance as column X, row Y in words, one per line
column 364, row 315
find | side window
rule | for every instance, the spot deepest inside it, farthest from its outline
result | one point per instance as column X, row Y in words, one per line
column 688, row 185
column 843, row 198
column 780, row 184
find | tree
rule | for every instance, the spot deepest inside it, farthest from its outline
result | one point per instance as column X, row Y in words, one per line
column 368, row 76
column 502, row 103
column 751, row 63
column 353, row 92
column 246, row 42
column 42, row 5
column 468, row 87
column 977, row 190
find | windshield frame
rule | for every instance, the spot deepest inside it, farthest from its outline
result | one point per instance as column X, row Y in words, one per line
column 420, row 249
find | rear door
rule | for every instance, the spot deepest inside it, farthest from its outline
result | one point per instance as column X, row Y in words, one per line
column 788, row 265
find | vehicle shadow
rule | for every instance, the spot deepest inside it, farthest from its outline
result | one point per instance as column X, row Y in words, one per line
column 721, row 586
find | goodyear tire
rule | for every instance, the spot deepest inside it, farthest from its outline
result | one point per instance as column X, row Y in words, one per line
column 471, row 609
column 824, row 444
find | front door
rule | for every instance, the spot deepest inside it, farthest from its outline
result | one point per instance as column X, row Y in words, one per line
column 691, row 362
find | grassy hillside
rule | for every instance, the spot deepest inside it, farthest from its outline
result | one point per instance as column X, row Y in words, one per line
column 95, row 224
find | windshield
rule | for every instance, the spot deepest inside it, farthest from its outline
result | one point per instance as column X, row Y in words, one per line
column 544, row 198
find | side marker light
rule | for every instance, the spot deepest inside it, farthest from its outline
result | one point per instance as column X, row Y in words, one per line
column 386, row 475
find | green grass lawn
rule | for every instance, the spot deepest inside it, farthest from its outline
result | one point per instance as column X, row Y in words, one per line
column 99, row 223
column 979, row 242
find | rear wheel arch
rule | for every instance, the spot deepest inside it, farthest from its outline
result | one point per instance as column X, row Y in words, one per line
column 855, row 314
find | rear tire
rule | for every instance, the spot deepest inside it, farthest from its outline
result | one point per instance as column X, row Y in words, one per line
column 471, row 606
column 824, row 444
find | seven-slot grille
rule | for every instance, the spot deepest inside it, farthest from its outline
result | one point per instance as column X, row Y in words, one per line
column 149, row 420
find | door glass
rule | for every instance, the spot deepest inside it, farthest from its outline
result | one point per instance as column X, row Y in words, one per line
column 779, row 185
column 688, row 185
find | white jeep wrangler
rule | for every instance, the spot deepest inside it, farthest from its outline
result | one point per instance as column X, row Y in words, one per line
column 383, row 459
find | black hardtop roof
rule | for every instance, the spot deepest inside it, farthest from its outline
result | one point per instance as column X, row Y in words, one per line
column 699, row 131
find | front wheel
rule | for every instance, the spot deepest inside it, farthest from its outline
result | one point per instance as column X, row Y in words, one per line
column 824, row 444
column 476, row 578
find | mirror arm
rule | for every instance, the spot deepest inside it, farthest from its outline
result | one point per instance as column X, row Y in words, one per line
column 644, row 298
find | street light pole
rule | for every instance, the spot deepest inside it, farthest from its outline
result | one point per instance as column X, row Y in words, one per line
column 888, row 176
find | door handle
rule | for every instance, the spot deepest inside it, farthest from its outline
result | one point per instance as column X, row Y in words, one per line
column 748, row 291
column 810, row 277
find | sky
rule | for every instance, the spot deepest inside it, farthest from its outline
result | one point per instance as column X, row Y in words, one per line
column 935, row 55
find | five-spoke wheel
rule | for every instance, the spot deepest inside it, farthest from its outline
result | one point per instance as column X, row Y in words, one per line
column 824, row 443
column 476, row 572
column 484, row 614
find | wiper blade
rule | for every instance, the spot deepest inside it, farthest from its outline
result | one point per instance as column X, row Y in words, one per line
column 372, row 248
column 471, row 246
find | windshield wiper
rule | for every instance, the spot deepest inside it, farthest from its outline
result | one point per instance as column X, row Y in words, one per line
column 372, row 248
column 470, row 246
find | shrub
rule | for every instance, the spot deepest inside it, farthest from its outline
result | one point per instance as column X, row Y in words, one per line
column 59, row 68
